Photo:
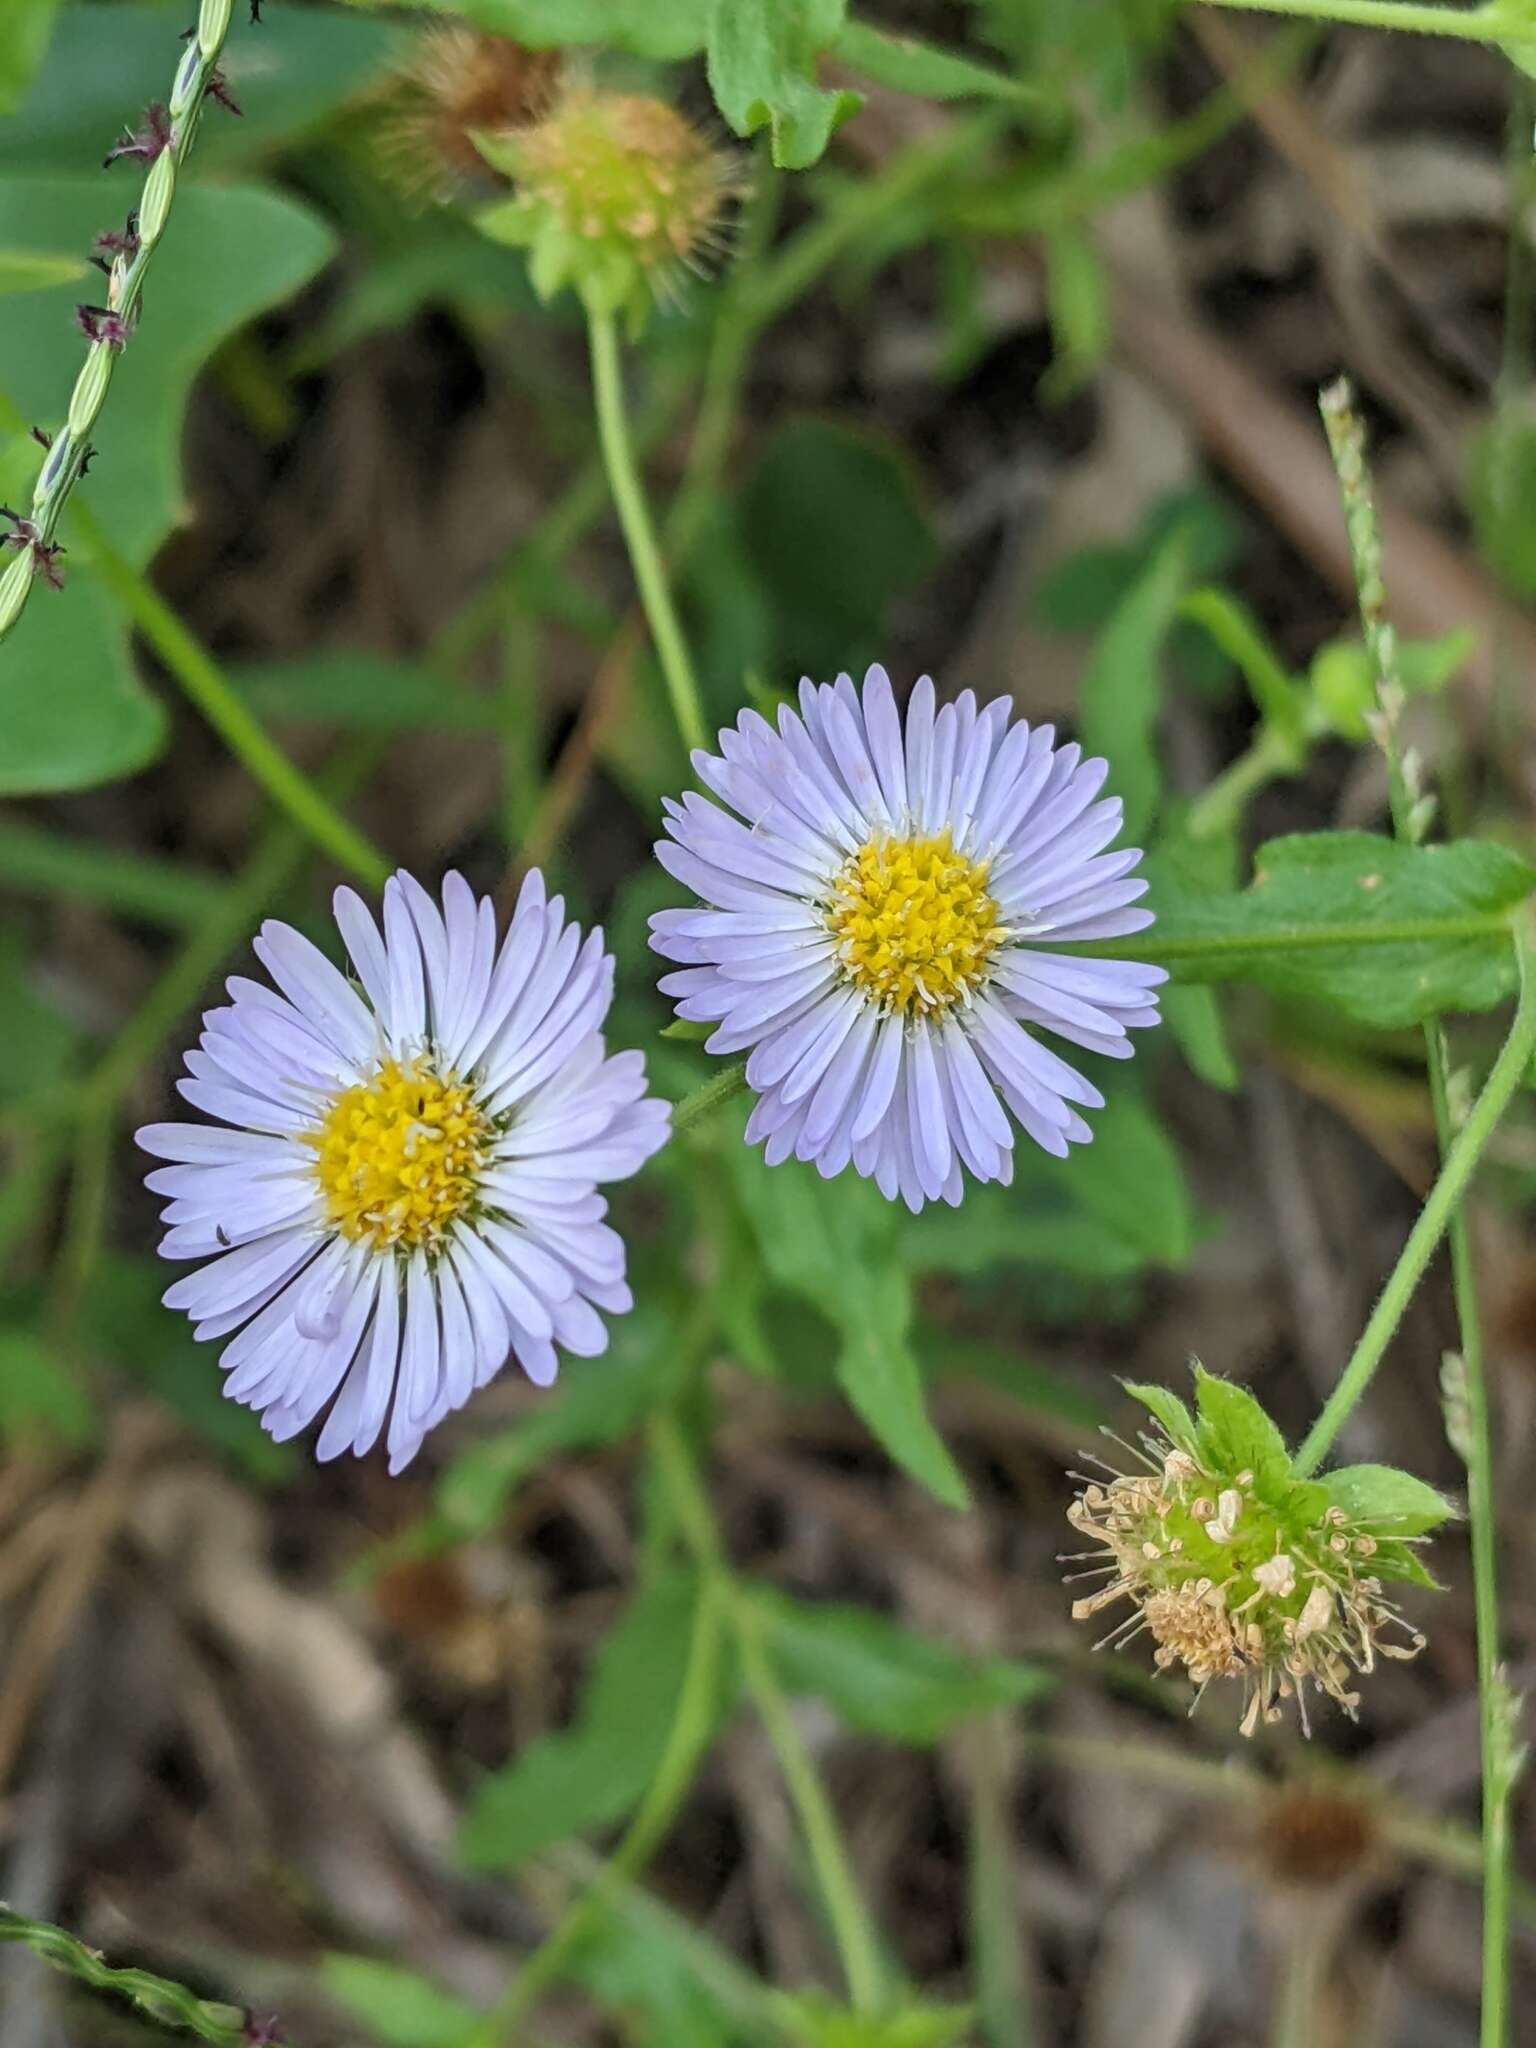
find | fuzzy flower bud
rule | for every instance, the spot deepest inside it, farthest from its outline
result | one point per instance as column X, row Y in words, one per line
column 614, row 194
column 1241, row 1568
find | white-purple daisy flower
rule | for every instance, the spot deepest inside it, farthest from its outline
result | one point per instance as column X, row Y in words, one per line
column 883, row 930
column 402, row 1190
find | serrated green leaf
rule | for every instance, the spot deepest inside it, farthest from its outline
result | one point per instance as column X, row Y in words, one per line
column 400, row 2007
column 1235, row 1433
column 1389, row 934
column 593, row 1772
column 763, row 56
column 881, row 1677
column 1390, row 1503
column 1177, row 1422
column 838, row 1248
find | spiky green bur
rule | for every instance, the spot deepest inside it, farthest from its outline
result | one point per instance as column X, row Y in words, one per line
column 1241, row 1568
column 614, row 194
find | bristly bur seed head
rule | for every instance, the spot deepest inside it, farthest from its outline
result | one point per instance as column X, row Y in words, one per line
column 1239, row 1568
column 457, row 83
column 615, row 194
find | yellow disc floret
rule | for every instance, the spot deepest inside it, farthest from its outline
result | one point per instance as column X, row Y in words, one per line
column 399, row 1156
column 915, row 924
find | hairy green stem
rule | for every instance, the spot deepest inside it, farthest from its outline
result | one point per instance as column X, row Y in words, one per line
column 639, row 533
column 70, row 447
column 1477, row 24
column 204, row 683
column 708, row 1096
column 847, row 1915
column 1509, row 1071
column 687, row 1742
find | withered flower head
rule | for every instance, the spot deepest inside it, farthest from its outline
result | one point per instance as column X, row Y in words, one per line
column 1240, row 1568
column 614, row 193
column 1318, row 1831
column 456, row 83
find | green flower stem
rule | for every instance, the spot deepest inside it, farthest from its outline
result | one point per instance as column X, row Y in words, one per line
column 847, row 1915
column 159, row 1998
column 1477, row 24
column 1219, row 808
column 1509, row 1070
column 707, row 1098
column 687, row 1742
column 125, row 288
column 205, row 684
column 1477, row 1450
column 639, row 534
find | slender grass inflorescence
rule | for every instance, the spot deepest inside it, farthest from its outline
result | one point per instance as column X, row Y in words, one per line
column 163, row 144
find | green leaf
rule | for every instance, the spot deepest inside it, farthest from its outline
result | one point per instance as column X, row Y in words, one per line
column 1177, row 1422
column 1388, row 934
column 71, row 708
column 400, row 2007
column 834, row 527
column 136, row 884
column 666, row 29
column 600, row 1404
column 1077, row 298
column 1276, row 697
column 1121, row 693
column 32, row 270
column 593, row 1772
column 29, row 24
column 41, row 1039
column 107, row 62
column 1235, row 1433
column 907, row 64
column 1390, row 1503
column 762, row 71
column 1195, row 1023
column 881, row 1677
column 839, row 1248
column 39, row 1397
column 812, row 2020
column 365, row 693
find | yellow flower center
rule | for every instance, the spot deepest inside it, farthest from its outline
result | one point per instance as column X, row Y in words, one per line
column 398, row 1157
column 915, row 925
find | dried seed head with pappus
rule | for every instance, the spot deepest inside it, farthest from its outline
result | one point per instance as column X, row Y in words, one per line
column 458, row 83
column 1241, row 1568
column 616, row 194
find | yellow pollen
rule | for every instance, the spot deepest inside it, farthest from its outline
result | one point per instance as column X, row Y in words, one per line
column 915, row 925
column 399, row 1156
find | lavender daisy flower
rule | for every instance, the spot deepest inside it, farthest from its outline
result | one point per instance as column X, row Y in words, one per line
column 883, row 931
column 402, row 1189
